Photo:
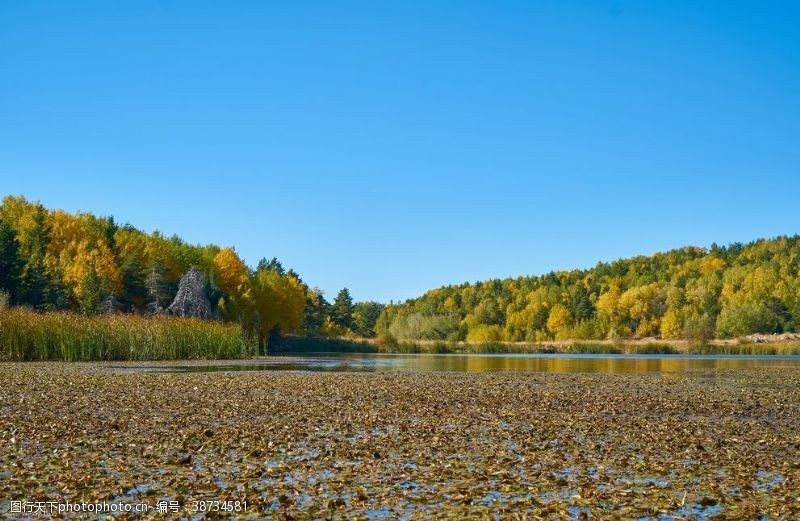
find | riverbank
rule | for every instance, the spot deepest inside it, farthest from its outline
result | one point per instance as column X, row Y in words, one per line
column 26, row 335
column 742, row 346
column 419, row 445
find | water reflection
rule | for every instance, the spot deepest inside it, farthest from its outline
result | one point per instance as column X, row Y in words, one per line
column 551, row 363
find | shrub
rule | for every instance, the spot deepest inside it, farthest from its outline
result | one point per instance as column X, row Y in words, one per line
column 387, row 340
column 485, row 333
column 745, row 319
column 699, row 329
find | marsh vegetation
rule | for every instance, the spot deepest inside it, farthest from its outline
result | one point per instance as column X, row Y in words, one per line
column 27, row 335
column 66, row 336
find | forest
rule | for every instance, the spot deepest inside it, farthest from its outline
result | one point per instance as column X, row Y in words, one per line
column 51, row 260
column 688, row 293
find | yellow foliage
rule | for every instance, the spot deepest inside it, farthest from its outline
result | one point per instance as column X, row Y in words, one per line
column 672, row 324
column 331, row 328
column 280, row 301
column 131, row 246
column 78, row 248
column 97, row 261
column 559, row 319
column 470, row 321
column 608, row 302
column 26, row 219
column 157, row 250
column 708, row 265
column 637, row 303
column 232, row 274
column 759, row 284
column 484, row 333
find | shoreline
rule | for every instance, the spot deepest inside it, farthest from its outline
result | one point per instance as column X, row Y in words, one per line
column 739, row 347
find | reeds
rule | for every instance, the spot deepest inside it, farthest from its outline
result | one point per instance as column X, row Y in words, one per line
column 29, row 335
column 298, row 344
column 746, row 349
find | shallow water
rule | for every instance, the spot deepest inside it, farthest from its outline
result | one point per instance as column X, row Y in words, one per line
column 475, row 363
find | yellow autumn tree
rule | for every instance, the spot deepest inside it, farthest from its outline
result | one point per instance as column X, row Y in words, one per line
column 232, row 274
column 639, row 306
column 484, row 333
column 279, row 301
column 672, row 324
column 93, row 263
column 559, row 320
column 609, row 309
column 80, row 254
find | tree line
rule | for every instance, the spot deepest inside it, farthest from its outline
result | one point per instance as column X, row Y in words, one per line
column 54, row 260
column 692, row 293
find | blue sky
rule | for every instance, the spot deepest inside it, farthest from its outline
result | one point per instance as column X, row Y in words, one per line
column 393, row 147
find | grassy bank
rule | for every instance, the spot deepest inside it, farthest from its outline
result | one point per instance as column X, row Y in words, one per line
column 27, row 335
column 745, row 349
column 618, row 347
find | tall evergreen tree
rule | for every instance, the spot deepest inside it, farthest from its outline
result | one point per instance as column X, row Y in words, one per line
column 9, row 262
column 579, row 304
column 365, row 316
column 317, row 308
column 135, row 290
column 33, row 276
column 270, row 265
column 342, row 309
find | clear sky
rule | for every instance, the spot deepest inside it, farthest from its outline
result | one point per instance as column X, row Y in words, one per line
column 393, row 147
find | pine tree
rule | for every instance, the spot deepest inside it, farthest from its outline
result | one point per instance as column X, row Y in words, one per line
column 365, row 316
column 135, row 290
column 342, row 309
column 9, row 261
column 270, row 265
column 317, row 309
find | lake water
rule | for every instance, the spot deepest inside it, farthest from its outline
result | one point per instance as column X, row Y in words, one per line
column 558, row 363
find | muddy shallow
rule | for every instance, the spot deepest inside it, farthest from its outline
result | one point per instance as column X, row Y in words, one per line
column 699, row 443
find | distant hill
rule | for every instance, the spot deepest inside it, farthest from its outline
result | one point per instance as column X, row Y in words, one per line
column 693, row 293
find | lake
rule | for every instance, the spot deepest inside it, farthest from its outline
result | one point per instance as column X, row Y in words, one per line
column 412, row 436
column 478, row 363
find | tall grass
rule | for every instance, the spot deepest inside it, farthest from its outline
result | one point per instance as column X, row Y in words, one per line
column 589, row 348
column 745, row 349
column 28, row 335
column 498, row 348
column 299, row 344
